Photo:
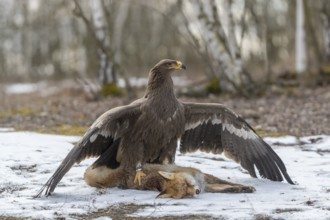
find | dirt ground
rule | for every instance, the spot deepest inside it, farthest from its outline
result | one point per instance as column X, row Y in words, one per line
column 62, row 108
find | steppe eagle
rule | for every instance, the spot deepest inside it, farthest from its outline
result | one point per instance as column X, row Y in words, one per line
column 148, row 129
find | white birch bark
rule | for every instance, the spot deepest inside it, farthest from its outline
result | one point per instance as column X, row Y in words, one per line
column 106, row 72
column 326, row 39
column 232, row 42
column 222, row 48
column 301, row 57
column 118, row 28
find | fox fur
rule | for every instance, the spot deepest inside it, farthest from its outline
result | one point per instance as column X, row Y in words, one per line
column 171, row 180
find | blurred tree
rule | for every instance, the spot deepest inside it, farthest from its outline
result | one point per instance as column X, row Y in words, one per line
column 243, row 43
column 326, row 31
column 301, row 56
column 219, row 37
column 108, row 67
column 118, row 29
column 107, row 74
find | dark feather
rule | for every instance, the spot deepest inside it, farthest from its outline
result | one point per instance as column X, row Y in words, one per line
column 82, row 150
column 108, row 158
column 214, row 128
column 99, row 139
column 94, row 148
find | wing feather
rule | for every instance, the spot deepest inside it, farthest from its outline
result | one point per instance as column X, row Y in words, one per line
column 102, row 138
column 215, row 128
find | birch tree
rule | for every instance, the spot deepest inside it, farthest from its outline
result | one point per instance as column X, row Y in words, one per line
column 301, row 56
column 107, row 74
column 118, row 29
column 326, row 32
column 221, row 45
column 108, row 68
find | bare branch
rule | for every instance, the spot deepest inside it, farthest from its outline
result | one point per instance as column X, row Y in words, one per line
column 243, row 26
column 79, row 13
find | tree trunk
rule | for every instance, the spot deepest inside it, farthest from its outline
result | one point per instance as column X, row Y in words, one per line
column 301, row 56
column 222, row 47
column 107, row 74
column 326, row 33
column 214, row 37
column 118, row 29
column 326, row 36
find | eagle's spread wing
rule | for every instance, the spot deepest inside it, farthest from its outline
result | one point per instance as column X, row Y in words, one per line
column 215, row 128
column 102, row 138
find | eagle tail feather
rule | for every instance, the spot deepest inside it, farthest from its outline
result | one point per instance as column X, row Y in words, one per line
column 65, row 166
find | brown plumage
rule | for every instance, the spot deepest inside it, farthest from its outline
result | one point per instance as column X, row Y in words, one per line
column 147, row 130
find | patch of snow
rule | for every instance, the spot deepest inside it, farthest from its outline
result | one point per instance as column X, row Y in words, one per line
column 27, row 160
column 134, row 81
column 23, row 88
column 287, row 140
column 7, row 129
column 179, row 81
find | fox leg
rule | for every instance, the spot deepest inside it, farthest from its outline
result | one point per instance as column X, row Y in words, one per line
column 223, row 188
column 216, row 185
column 102, row 176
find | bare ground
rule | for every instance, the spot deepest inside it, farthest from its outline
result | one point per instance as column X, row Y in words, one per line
column 298, row 111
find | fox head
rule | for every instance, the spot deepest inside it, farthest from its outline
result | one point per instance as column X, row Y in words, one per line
column 179, row 185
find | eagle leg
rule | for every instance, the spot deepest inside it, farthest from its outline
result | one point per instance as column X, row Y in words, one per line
column 139, row 174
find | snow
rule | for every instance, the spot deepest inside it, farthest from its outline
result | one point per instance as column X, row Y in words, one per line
column 23, row 88
column 27, row 88
column 179, row 81
column 6, row 129
column 28, row 159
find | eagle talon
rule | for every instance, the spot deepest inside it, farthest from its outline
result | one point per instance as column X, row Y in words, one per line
column 138, row 177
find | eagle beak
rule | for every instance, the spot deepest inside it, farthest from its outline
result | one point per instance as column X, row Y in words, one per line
column 179, row 66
